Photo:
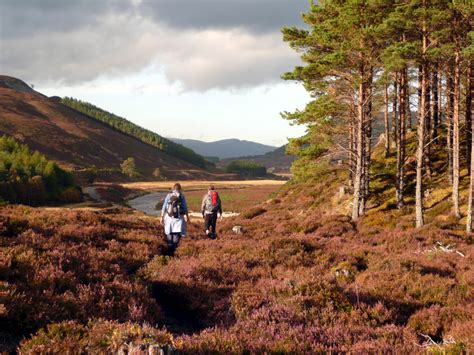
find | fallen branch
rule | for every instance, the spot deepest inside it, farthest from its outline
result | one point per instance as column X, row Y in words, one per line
column 449, row 340
column 439, row 247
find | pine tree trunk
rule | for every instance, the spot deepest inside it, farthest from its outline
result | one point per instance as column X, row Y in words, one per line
column 395, row 110
column 440, row 96
column 469, row 94
column 407, row 100
column 421, row 134
column 434, row 105
column 351, row 150
column 456, row 149
column 387, row 123
column 358, row 180
column 368, row 140
column 418, row 111
column 428, row 129
column 469, row 84
column 471, row 191
column 449, row 120
column 401, row 139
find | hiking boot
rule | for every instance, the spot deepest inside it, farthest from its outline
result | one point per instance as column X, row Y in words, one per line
column 207, row 232
column 213, row 235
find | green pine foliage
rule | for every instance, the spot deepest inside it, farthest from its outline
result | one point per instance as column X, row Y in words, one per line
column 29, row 178
column 246, row 168
column 123, row 125
column 350, row 51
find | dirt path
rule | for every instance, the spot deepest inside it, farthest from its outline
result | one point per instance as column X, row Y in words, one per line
column 92, row 192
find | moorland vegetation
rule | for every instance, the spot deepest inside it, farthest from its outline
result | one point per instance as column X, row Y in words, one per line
column 299, row 276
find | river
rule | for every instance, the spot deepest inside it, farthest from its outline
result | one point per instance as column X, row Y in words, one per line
column 147, row 203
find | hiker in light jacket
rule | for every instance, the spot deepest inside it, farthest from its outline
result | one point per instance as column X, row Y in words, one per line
column 172, row 217
column 211, row 206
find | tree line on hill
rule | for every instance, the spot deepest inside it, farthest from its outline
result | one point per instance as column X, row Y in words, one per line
column 142, row 134
column 246, row 168
column 363, row 57
column 29, row 178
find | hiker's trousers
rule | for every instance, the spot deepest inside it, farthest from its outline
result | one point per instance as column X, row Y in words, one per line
column 172, row 240
column 210, row 221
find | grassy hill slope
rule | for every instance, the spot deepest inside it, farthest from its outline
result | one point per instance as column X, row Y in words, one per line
column 76, row 140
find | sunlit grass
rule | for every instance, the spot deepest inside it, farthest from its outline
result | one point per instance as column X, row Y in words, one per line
column 233, row 200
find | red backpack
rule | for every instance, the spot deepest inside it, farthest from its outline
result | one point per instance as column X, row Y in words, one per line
column 212, row 201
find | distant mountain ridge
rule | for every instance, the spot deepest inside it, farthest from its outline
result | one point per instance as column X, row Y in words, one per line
column 226, row 148
column 79, row 141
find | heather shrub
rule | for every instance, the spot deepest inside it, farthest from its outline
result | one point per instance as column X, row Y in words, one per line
column 247, row 298
column 273, row 331
column 291, row 252
column 436, row 320
column 97, row 337
column 311, row 226
column 71, row 195
column 462, row 331
column 299, row 280
column 72, row 266
column 334, row 227
column 11, row 227
column 254, row 212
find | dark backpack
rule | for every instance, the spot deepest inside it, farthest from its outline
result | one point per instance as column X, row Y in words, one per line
column 175, row 205
column 212, row 202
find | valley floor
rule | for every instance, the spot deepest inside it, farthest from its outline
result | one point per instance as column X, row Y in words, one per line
column 297, row 278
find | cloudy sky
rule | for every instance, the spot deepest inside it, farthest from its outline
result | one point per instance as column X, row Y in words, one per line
column 202, row 69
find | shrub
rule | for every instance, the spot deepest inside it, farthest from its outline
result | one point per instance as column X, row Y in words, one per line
column 71, row 195
column 98, row 336
column 254, row 212
column 129, row 168
column 74, row 266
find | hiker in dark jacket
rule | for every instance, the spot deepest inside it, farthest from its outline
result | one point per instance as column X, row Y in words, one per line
column 172, row 217
column 211, row 207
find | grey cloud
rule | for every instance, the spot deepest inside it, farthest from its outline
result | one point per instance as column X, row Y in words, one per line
column 115, row 47
column 254, row 15
column 226, row 59
column 29, row 17
column 79, row 41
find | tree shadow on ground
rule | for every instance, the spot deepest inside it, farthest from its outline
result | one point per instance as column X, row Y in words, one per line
column 189, row 308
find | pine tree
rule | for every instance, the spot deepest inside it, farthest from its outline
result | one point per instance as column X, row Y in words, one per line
column 357, row 54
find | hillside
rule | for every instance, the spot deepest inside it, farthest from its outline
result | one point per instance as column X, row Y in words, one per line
column 123, row 125
column 298, row 277
column 226, row 148
column 78, row 141
column 276, row 161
